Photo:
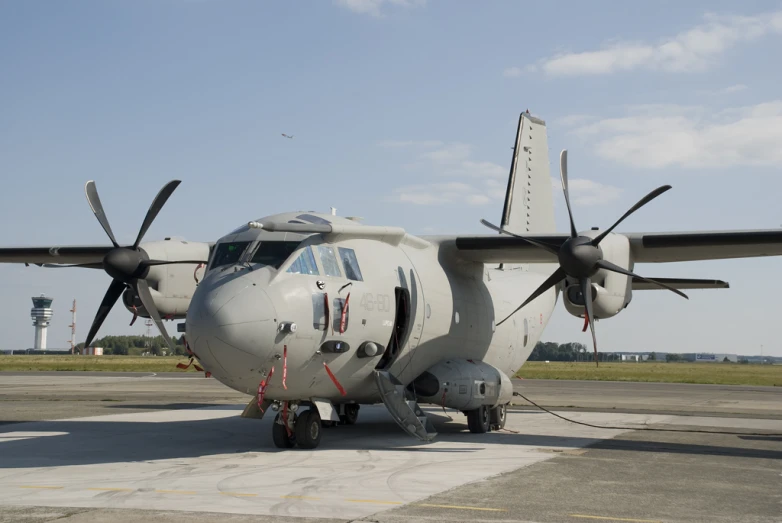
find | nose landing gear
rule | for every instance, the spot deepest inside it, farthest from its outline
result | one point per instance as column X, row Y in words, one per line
column 289, row 430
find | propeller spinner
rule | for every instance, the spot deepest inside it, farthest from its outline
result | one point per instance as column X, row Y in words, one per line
column 580, row 257
column 129, row 266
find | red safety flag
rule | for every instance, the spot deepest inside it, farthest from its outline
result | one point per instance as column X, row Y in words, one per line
column 284, row 366
column 343, row 317
column 334, row 380
column 262, row 388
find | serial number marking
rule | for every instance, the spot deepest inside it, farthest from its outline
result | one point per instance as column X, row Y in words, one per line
column 375, row 302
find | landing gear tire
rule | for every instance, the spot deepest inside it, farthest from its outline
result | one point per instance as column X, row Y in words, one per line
column 498, row 416
column 479, row 420
column 308, row 429
column 351, row 414
column 280, row 435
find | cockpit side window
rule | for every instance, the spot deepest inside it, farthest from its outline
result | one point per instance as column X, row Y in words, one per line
column 305, row 263
column 329, row 261
column 352, row 270
column 228, row 253
column 274, row 253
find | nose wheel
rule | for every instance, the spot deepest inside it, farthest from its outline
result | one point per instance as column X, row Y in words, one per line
column 303, row 430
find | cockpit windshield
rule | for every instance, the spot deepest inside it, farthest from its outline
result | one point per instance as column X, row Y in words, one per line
column 273, row 254
column 228, row 253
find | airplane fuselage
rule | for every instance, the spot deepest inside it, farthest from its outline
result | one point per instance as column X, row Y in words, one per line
column 409, row 306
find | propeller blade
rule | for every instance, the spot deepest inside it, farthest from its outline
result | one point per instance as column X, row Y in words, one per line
column 563, row 176
column 97, row 209
column 552, row 280
column 607, row 265
column 112, row 295
column 154, row 209
column 586, row 291
column 151, row 263
column 142, row 289
column 536, row 243
column 643, row 201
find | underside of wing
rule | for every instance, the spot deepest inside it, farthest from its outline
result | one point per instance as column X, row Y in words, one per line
column 89, row 255
column 507, row 249
column 679, row 283
column 704, row 245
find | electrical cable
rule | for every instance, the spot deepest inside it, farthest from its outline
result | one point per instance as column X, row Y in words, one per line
column 655, row 429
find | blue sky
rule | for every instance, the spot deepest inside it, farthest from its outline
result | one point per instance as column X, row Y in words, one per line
column 403, row 112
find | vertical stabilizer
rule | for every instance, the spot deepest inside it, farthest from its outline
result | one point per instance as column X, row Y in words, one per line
column 529, row 203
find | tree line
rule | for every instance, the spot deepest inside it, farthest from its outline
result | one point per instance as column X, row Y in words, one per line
column 137, row 345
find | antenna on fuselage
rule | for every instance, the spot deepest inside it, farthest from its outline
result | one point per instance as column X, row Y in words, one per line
column 333, row 211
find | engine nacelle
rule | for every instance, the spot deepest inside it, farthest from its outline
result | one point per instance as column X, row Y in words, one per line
column 611, row 292
column 463, row 385
column 171, row 286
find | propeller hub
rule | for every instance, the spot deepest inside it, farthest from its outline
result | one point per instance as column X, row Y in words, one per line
column 125, row 264
column 578, row 257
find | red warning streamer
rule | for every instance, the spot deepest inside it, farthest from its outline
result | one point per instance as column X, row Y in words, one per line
column 343, row 317
column 586, row 321
column 284, row 366
column 135, row 315
column 334, row 379
column 262, row 388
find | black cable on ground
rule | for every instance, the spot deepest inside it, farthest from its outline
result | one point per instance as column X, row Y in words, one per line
column 655, row 429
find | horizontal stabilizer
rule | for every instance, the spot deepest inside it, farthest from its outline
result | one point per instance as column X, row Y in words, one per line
column 679, row 283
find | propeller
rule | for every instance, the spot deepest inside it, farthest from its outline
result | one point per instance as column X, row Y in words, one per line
column 129, row 266
column 580, row 257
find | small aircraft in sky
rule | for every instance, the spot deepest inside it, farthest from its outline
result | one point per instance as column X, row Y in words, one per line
column 290, row 137
column 314, row 314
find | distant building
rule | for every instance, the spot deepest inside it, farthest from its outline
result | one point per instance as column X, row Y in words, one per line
column 92, row 351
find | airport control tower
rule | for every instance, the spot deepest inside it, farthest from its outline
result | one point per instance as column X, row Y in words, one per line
column 41, row 314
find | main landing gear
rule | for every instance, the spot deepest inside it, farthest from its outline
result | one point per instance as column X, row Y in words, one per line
column 293, row 427
column 290, row 429
column 484, row 419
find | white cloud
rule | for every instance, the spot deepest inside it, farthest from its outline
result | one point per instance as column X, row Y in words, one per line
column 724, row 90
column 690, row 137
column 440, row 193
column 409, row 143
column 373, row 7
column 585, row 192
column 512, row 72
column 693, row 50
column 471, row 182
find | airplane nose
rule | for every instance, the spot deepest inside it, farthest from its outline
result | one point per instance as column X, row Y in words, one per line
column 231, row 325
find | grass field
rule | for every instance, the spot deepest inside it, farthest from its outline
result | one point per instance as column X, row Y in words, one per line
column 715, row 373
column 94, row 363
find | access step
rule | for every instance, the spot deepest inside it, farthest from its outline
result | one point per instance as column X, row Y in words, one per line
column 406, row 412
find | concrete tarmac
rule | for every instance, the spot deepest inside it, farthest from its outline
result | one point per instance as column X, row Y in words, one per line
column 130, row 447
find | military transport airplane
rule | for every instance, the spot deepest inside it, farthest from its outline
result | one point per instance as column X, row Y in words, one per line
column 315, row 314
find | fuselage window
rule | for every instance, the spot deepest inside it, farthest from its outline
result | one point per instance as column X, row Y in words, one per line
column 273, row 254
column 228, row 254
column 329, row 261
column 352, row 270
column 305, row 263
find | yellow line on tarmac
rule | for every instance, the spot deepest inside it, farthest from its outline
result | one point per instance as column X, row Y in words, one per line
column 191, row 492
column 238, row 494
column 39, row 486
column 298, row 497
column 609, row 518
column 107, row 489
column 459, row 507
column 376, row 501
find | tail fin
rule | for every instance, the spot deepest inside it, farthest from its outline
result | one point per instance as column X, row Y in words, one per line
column 529, row 203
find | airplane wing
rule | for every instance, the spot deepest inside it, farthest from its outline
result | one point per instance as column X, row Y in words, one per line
column 679, row 283
column 645, row 247
column 68, row 254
